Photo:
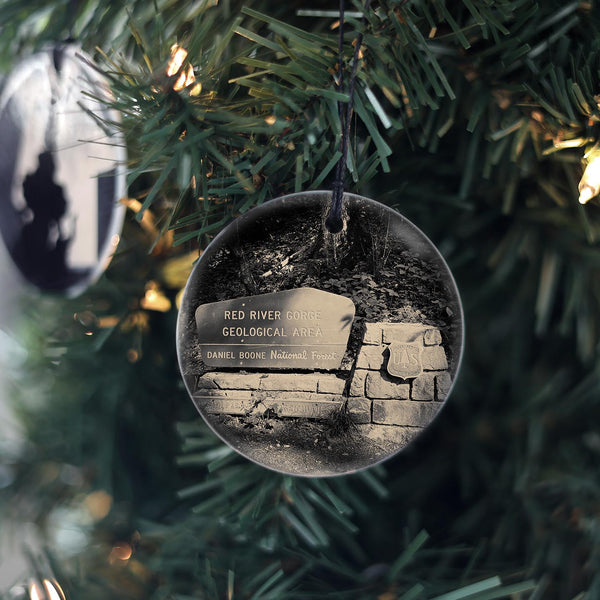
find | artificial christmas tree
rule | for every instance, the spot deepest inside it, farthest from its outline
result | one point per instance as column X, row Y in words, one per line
column 476, row 120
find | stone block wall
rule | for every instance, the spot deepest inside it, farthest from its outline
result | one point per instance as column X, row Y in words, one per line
column 374, row 396
column 311, row 395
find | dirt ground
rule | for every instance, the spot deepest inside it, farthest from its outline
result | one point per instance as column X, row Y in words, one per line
column 306, row 447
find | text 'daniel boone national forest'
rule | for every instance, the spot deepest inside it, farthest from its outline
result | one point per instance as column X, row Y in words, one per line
column 301, row 328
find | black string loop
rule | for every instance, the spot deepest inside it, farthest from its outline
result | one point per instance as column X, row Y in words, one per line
column 334, row 221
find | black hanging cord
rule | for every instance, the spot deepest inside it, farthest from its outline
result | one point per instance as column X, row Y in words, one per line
column 334, row 221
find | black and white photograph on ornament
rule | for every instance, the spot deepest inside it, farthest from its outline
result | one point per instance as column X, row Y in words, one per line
column 62, row 171
column 318, row 354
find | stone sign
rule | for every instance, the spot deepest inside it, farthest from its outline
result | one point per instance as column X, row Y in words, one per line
column 303, row 328
column 404, row 361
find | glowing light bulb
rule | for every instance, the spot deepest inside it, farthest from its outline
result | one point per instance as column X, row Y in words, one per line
column 120, row 553
column 186, row 76
column 589, row 186
column 178, row 55
column 154, row 299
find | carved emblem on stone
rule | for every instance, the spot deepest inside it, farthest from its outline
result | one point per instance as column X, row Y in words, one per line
column 404, row 361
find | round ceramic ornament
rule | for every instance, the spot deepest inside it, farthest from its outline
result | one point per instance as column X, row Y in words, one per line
column 62, row 173
column 318, row 354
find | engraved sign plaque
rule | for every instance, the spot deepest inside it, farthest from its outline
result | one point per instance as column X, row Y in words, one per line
column 404, row 361
column 303, row 328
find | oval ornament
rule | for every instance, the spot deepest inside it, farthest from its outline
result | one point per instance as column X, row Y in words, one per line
column 316, row 354
column 61, row 172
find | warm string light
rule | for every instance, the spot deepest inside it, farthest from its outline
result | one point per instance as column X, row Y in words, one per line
column 589, row 186
column 154, row 299
column 186, row 76
column 120, row 553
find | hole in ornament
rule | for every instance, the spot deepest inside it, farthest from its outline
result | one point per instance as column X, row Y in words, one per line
column 334, row 224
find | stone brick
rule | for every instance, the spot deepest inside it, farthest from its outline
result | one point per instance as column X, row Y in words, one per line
column 373, row 333
column 236, row 381
column 423, row 387
column 432, row 337
column 404, row 412
column 360, row 410
column 291, row 382
column 285, row 404
column 330, row 384
column 433, row 358
column 390, row 438
column 205, row 382
column 268, row 396
column 357, row 386
column 314, row 406
column 224, row 405
column 379, row 385
column 371, row 357
column 218, row 393
column 403, row 332
column 443, row 383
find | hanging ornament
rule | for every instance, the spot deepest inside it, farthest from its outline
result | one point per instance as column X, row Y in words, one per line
column 322, row 357
column 321, row 332
column 62, row 170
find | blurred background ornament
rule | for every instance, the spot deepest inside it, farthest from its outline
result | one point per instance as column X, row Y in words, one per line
column 61, row 170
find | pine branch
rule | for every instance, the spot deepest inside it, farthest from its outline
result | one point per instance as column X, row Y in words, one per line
column 499, row 101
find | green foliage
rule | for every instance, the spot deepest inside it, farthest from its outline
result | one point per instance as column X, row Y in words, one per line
column 472, row 118
column 27, row 26
column 98, row 367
